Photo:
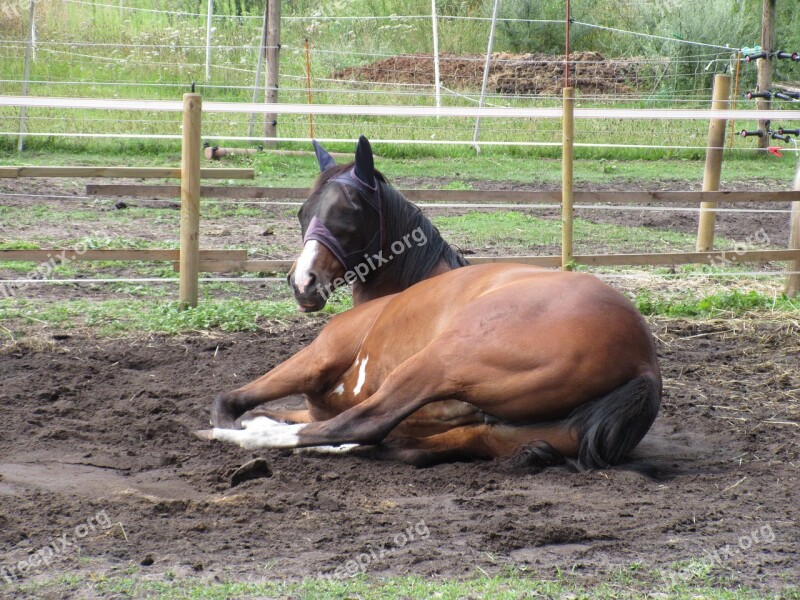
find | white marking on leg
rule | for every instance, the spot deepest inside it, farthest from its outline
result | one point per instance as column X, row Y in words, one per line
column 343, row 449
column 261, row 432
column 305, row 264
column 362, row 377
column 260, row 423
column 339, row 389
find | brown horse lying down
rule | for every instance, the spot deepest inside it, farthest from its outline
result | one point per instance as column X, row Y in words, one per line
column 439, row 360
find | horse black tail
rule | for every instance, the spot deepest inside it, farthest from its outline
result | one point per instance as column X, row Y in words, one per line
column 608, row 429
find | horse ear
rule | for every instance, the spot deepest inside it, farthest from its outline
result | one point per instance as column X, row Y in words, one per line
column 324, row 159
column 365, row 165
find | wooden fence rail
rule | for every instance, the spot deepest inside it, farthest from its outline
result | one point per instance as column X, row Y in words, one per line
column 190, row 260
column 595, row 260
column 452, row 196
column 63, row 256
column 130, row 172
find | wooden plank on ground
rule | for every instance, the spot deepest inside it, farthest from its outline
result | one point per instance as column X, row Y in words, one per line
column 465, row 196
column 130, row 172
column 60, row 256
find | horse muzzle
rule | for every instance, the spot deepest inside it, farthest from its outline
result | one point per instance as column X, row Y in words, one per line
column 308, row 294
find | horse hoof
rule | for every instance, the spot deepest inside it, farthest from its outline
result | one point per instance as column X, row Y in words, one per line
column 222, row 416
column 204, row 434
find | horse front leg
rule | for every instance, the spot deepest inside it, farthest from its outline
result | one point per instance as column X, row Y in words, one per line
column 310, row 371
column 420, row 380
column 298, row 375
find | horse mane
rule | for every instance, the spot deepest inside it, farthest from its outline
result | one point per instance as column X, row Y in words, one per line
column 417, row 262
column 400, row 218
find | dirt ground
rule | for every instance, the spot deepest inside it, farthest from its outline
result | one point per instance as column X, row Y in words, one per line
column 99, row 430
column 103, row 427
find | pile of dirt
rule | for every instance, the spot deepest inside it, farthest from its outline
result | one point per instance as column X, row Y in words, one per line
column 512, row 74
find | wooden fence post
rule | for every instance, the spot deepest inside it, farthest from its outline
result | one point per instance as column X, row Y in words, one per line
column 26, row 77
column 190, row 201
column 567, row 156
column 793, row 281
column 764, row 65
column 713, row 169
column 273, row 40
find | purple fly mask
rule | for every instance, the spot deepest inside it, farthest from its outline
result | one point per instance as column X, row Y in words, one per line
column 319, row 232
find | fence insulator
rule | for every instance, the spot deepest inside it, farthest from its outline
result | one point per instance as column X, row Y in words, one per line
column 777, row 136
column 751, row 95
column 752, row 57
column 783, row 131
column 791, row 96
column 795, row 56
column 757, row 133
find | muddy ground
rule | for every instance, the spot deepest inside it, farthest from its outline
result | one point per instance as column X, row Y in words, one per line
column 101, row 428
column 509, row 73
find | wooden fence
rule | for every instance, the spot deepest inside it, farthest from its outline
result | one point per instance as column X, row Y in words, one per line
column 192, row 260
column 479, row 197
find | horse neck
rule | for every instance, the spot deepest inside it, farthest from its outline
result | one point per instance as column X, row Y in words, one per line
column 417, row 262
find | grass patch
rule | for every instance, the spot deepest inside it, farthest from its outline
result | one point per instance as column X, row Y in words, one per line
column 142, row 313
column 732, row 303
column 114, row 317
column 512, row 585
column 516, row 229
column 273, row 169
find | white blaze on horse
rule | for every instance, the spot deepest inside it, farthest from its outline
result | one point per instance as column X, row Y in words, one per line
column 439, row 360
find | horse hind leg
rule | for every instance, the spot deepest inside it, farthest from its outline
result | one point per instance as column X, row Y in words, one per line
column 597, row 435
column 606, row 429
column 539, row 445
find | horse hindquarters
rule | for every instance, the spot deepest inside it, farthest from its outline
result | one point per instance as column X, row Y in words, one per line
column 607, row 429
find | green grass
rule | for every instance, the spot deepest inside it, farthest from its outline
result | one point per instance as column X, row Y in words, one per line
column 515, row 229
column 733, row 303
column 131, row 315
column 135, row 315
column 451, row 170
column 625, row 582
column 156, row 56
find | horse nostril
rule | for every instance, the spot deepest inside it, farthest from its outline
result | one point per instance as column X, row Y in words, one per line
column 312, row 279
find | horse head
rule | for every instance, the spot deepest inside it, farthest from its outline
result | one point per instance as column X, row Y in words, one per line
column 341, row 224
